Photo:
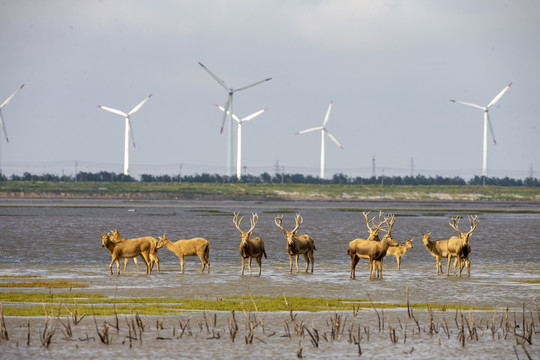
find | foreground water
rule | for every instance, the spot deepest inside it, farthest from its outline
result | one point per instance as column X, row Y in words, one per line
column 60, row 240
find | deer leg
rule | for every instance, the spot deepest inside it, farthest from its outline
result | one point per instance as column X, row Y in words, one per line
column 306, row 257
column 249, row 265
column 136, row 263
column 125, row 264
column 182, row 264
column 398, row 262
column 438, row 264
column 290, row 263
column 146, row 259
column 448, row 265
column 260, row 263
column 203, row 264
column 312, row 260
column 370, row 267
column 296, row 258
column 243, row 260
column 114, row 259
column 379, row 263
column 354, row 261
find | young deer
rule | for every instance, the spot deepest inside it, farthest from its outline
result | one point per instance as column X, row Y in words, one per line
column 297, row 244
column 399, row 251
column 250, row 247
column 128, row 249
column 188, row 247
column 116, row 237
column 459, row 247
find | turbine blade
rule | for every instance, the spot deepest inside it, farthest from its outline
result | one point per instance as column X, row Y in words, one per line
column 328, row 113
column 3, row 125
column 491, row 129
column 497, row 98
column 114, row 111
column 309, row 130
column 334, row 139
column 249, row 117
column 223, row 109
column 11, row 96
column 131, row 133
column 468, row 104
column 225, row 112
column 136, row 108
column 217, row 78
column 252, row 85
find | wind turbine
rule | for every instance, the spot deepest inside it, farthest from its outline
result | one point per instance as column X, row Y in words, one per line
column 487, row 122
column 323, row 132
column 128, row 131
column 239, row 137
column 4, row 104
column 229, row 110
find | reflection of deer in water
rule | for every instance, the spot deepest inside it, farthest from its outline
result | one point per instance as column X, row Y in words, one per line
column 298, row 244
column 250, row 247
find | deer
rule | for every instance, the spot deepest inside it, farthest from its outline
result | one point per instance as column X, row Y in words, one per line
column 126, row 259
column 250, row 247
column 375, row 251
column 188, row 247
column 399, row 251
column 438, row 249
column 128, row 249
column 373, row 236
column 458, row 246
column 116, row 237
column 297, row 244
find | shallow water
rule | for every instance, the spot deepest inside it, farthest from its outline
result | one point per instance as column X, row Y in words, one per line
column 60, row 240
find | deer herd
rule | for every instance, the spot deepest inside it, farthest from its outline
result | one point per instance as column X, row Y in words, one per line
column 373, row 248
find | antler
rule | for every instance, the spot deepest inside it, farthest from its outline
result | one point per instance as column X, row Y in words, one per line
column 367, row 220
column 254, row 220
column 298, row 219
column 455, row 223
column 473, row 222
column 237, row 222
column 278, row 220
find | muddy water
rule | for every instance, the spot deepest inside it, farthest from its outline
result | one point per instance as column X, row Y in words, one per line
column 60, row 240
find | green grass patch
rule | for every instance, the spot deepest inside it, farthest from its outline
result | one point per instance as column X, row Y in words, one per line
column 47, row 284
column 63, row 304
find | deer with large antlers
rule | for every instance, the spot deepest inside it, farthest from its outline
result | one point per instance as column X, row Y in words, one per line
column 458, row 246
column 375, row 251
column 297, row 244
column 250, row 247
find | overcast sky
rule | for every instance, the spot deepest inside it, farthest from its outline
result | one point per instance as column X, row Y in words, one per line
column 389, row 66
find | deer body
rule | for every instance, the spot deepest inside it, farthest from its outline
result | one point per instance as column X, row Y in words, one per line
column 188, row 247
column 128, row 249
column 459, row 247
column 250, row 247
column 399, row 251
column 438, row 249
column 298, row 244
column 116, row 237
column 372, row 249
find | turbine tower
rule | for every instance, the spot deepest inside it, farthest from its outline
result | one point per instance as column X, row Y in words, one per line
column 128, row 131
column 4, row 104
column 487, row 122
column 323, row 132
column 229, row 111
column 239, row 137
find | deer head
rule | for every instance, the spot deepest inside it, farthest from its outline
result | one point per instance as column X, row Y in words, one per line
column 473, row 222
column 162, row 240
column 290, row 234
column 245, row 235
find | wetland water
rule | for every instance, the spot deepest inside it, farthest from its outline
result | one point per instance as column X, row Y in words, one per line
column 60, row 240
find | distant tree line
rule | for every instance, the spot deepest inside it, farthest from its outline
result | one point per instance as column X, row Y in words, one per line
column 105, row 176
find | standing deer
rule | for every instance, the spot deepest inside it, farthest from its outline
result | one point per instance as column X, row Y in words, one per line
column 188, row 247
column 399, row 251
column 128, row 249
column 250, row 247
column 375, row 251
column 297, row 244
column 459, row 247
column 439, row 249
column 116, row 237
